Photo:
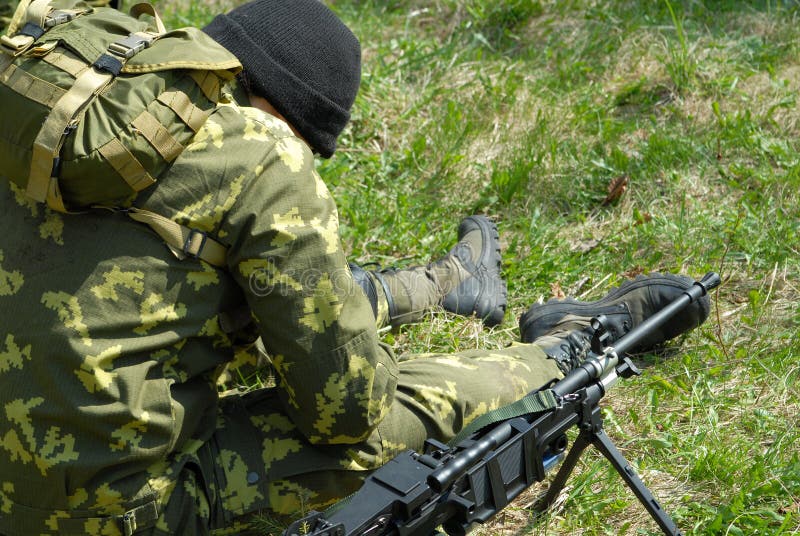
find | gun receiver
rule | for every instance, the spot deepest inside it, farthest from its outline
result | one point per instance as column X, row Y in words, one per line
column 469, row 482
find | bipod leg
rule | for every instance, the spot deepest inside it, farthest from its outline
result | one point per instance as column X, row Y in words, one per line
column 604, row 444
column 580, row 444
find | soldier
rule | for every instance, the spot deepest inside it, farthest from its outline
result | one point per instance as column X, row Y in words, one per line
column 111, row 422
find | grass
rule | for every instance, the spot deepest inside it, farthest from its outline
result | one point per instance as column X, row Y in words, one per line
column 527, row 111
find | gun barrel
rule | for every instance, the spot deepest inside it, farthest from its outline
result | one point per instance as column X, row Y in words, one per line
column 582, row 376
column 689, row 296
column 595, row 366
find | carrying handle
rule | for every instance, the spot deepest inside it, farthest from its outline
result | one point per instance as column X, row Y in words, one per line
column 145, row 8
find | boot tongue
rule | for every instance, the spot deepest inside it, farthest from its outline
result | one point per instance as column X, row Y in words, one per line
column 469, row 248
column 459, row 262
column 563, row 332
column 572, row 323
column 449, row 271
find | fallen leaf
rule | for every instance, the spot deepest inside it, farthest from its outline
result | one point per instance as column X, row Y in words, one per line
column 790, row 509
column 584, row 246
column 616, row 188
column 641, row 217
column 556, row 291
column 633, row 272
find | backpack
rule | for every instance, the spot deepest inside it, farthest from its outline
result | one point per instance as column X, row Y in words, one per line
column 7, row 8
column 98, row 103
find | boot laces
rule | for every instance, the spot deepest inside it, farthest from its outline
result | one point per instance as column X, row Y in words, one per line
column 571, row 351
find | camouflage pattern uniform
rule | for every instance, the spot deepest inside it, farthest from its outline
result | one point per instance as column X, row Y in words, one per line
column 110, row 421
column 7, row 8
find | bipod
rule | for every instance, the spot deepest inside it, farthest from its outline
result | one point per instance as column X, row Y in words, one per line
column 592, row 433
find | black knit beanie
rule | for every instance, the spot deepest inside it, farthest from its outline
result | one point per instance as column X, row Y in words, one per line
column 299, row 56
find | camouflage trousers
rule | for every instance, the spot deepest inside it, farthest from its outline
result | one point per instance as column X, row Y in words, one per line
column 258, row 464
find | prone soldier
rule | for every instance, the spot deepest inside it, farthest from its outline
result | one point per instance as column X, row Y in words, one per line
column 112, row 421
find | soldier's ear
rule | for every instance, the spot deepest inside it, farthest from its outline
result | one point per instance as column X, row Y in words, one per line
column 264, row 105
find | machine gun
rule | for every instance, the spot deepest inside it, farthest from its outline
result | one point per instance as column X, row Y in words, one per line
column 502, row 453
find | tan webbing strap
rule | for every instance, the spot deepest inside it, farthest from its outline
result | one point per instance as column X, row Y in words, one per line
column 54, row 199
column 33, row 12
column 32, row 87
column 180, row 103
column 158, row 136
column 208, row 83
column 124, row 163
column 183, row 241
column 147, row 9
column 19, row 18
column 51, row 136
column 18, row 44
column 66, row 62
column 37, row 12
column 5, row 62
column 41, row 50
column 66, row 113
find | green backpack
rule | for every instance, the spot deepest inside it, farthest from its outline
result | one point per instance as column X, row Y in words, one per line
column 97, row 104
column 7, row 8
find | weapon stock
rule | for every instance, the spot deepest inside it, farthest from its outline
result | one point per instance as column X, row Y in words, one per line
column 457, row 486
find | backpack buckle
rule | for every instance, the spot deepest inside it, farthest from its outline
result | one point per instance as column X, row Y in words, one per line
column 191, row 248
column 56, row 17
column 130, row 46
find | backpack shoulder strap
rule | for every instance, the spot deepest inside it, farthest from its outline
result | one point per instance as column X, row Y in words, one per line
column 183, row 241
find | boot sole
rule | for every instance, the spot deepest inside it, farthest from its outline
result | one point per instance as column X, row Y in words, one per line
column 556, row 308
column 493, row 257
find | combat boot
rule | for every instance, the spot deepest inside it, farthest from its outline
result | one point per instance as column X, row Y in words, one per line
column 465, row 281
column 568, row 348
column 469, row 274
column 624, row 308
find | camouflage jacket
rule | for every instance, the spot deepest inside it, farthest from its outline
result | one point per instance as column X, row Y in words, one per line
column 110, row 346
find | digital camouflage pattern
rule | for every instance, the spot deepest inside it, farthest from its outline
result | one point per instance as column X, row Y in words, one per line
column 110, row 421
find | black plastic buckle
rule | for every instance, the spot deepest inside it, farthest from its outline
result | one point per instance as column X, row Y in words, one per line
column 188, row 242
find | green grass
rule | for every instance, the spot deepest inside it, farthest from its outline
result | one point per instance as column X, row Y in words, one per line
column 527, row 111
